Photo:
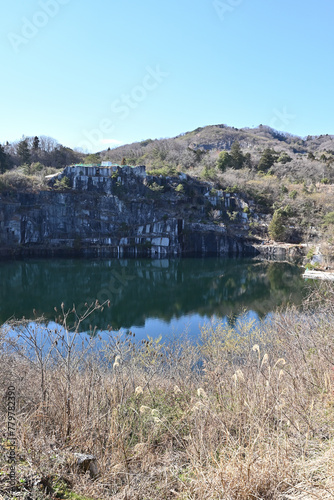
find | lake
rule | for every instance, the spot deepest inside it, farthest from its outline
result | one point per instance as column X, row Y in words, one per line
column 150, row 297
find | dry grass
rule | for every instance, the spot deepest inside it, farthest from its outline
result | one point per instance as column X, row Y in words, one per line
column 16, row 180
column 244, row 414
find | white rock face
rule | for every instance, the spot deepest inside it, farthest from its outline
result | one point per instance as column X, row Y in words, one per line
column 160, row 242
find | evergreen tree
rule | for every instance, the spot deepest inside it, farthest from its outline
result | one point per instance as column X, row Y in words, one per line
column 277, row 228
column 23, row 151
column 224, row 161
column 267, row 160
column 35, row 144
column 237, row 156
column 284, row 158
column 248, row 160
column 35, row 150
column 4, row 160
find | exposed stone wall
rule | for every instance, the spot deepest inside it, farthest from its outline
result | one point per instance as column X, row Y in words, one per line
column 120, row 215
column 281, row 251
column 85, row 176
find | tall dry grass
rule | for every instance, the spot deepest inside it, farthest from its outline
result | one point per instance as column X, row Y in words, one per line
column 246, row 413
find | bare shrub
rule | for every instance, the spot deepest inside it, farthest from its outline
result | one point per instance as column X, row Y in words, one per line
column 244, row 413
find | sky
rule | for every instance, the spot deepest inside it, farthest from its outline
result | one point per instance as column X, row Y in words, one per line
column 97, row 74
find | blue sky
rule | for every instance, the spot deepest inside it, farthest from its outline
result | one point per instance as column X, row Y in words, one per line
column 97, row 74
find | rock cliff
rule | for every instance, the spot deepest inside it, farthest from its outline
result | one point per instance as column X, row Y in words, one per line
column 122, row 212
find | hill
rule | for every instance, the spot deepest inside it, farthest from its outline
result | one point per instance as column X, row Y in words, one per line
column 309, row 158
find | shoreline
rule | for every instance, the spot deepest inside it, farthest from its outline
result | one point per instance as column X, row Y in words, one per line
column 276, row 251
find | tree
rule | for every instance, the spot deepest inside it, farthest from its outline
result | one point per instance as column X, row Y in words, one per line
column 284, row 158
column 4, row 160
column 224, row 161
column 23, row 151
column 35, row 144
column 198, row 154
column 47, row 144
column 267, row 160
column 248, row 160
column 93, row 158
column 328, row 219
column 277, row 228
column 237, row 156
column 61, row 156
column 35, row 151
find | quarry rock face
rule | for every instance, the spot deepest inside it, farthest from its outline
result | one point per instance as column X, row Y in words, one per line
column 121, row 212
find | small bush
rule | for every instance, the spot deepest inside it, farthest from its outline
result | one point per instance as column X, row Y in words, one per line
column 310, row 253
column 165, row 171
column 232, row 189
column 14, row 180
column 63, row 184
column 208, row 173
column 233, row 216
column 284, row 158
column 328, row 219
column 155, row 187
column 179, row 188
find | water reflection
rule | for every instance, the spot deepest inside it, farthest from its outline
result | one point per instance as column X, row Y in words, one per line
column 142, row 291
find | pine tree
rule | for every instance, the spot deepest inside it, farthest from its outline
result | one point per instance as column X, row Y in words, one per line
column 248, row 160
column 237, row 156
column 277, row 228
column 267, row 160
column 224, row 161
column 23, row 151
column 4, row 160
column 35, row 144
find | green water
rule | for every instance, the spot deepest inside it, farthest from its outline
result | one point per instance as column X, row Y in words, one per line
column 149, row 296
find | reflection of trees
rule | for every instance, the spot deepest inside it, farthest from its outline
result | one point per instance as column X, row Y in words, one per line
column 140, row 289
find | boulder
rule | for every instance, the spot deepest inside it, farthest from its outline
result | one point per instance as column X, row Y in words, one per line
column 87, row 463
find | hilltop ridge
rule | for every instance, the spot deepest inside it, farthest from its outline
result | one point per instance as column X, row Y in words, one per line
column 200, row 148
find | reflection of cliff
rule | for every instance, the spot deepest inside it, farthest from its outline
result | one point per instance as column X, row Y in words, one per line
column 140, row 289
